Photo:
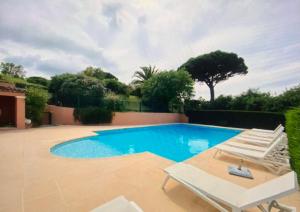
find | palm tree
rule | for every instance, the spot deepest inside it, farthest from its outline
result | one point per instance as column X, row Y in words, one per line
column 146, row 73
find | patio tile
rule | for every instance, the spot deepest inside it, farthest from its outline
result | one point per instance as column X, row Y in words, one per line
column 31, row 175
column 12, row 208
column 39, row 190
column 49, row 203
column 10, row 197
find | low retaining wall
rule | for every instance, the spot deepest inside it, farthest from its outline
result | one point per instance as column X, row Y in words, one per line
column 64, row 116
column 142, row 118
column 61, row 115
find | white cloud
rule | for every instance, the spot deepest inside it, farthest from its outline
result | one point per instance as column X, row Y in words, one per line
column 51, row 37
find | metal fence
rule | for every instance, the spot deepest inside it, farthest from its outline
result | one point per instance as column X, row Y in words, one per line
column 139, row 106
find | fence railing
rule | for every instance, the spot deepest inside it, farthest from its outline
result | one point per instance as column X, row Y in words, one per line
column 139, row 106
column 122, row 105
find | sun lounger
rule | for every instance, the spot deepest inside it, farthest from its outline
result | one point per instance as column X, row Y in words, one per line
column 257, row 156
column 216, row 190
column 270, row 137
column 246, row 146
column 119, row 204
column 265, row 133
column 255, row 140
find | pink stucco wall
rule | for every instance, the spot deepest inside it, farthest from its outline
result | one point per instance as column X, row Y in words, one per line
column 64, row 116
column 20, row 112
column 61, row 115
column 142, row 118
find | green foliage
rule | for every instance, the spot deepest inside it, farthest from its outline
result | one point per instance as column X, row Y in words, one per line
column 290, row 98
column 93, row 115
column 98, row 73
column 234, row 118
column 293, row 133
column 215, row 67
column 19, row 82
column 12, row 70
column 224, row 102
column 252, row 100
column 114, row 102
column 36, row 100
column 194, row 105
column 146, row 73
column 117, row 87
column 135, row 90
column 75, row 90
column 165, row 88
column 38, row 80
column 11, row 79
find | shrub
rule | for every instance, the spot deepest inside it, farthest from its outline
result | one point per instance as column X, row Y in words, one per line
column 36, row 100
column 114, row 103
column 135, row 90
column 75, row 90
column 93, row 115
column 167, row 88
column 19, row 82
column 290, row 98
column 38, row 80
column 241, row 119
column 98, row 73
column 117, row 87
column 252, row 100
column 293, row 133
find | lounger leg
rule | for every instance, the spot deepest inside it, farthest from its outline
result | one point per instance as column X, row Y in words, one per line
column 165, row 182
column 262, row 208
column 281, row 207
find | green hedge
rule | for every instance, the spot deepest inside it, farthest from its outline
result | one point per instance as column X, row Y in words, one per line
column 240, row 119
column 113, row 102
column 293, row 133
column 36, row 101
column 93, row 115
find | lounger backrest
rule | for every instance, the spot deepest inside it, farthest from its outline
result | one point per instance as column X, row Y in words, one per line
column 278, row 131
column 278, row 134
column 278, row 127
column 271, row 190
column 275, row 143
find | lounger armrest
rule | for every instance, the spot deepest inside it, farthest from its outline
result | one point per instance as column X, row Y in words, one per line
column 261, row 130
column 270, row 190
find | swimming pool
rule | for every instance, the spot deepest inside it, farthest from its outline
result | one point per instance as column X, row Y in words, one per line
column 176, row 142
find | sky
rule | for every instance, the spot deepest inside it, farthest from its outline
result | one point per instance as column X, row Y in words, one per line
column 58, row 36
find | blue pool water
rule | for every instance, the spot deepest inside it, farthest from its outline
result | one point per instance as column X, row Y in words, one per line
column 176, row 142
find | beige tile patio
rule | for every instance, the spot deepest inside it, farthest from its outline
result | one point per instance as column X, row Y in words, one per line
column 48, row 203
column 32, row 179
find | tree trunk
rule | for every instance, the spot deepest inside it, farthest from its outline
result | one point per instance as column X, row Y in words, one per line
column 212, row 93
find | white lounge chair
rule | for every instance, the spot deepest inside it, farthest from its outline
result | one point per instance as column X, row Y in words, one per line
column 262, row 137
column 255, row 141
column 119, row 204
column 258, row 156
column 265, row 133
column 216, row 190
column 246, row 146
column 260, row 141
